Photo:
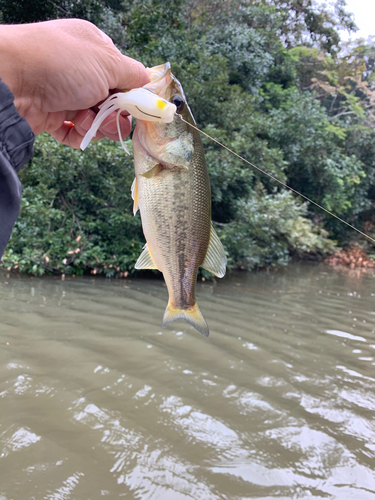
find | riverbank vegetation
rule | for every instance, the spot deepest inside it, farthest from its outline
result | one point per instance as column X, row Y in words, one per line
column 268, row 78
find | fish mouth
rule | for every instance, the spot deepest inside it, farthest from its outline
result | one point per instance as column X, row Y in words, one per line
column 162, row 81
column 157, row 73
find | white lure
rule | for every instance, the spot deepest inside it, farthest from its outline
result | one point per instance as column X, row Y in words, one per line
column 140, row 103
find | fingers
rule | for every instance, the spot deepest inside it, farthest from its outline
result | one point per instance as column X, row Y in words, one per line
column 109, row 126
column 127, row 73
column 72, row 132
column 67, row 134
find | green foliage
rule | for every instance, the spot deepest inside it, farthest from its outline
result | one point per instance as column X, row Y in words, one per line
column 314, row 149
column 268, row 228
column 266, row 79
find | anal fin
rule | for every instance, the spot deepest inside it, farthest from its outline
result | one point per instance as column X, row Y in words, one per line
column 145, row 260
column 216, row 260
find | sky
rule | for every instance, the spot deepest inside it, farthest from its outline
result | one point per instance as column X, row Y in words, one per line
column 364, row 15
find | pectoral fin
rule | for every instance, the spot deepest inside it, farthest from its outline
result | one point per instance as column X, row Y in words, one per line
column 154, row 171
column 134, row 189
column 215, row 260
column 145, row 260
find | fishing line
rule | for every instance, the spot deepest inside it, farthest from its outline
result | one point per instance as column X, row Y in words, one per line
column 280, row 182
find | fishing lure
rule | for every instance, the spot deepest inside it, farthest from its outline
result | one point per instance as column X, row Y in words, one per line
column 140, row 103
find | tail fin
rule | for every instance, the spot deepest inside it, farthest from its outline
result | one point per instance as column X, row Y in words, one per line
column 192, row 315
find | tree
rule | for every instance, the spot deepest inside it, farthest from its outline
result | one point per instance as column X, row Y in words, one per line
column 30, row 11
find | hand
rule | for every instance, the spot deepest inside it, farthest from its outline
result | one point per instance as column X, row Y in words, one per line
column 58, row 70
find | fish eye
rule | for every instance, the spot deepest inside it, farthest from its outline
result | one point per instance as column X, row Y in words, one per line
column 178, row 102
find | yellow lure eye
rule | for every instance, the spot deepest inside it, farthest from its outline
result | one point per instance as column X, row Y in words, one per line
column 161, row 104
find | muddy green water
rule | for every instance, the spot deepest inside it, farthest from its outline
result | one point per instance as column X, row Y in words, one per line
column 98, row 401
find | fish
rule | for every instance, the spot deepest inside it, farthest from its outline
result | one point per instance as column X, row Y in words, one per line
column 172, row 191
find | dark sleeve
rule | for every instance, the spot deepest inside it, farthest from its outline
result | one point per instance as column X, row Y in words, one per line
column 16, row 149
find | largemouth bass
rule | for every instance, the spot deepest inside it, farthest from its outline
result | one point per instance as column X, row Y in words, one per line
column 172, row 191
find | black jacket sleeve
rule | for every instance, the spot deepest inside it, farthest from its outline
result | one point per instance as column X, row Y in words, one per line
column 16, row 149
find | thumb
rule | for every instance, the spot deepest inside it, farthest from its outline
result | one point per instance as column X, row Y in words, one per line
column 128, row 74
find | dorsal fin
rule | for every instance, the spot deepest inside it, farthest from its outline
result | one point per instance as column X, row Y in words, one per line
column 216, row 259
column 145, row 260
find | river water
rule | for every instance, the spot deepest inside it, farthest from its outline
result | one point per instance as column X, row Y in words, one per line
column 98, row 401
